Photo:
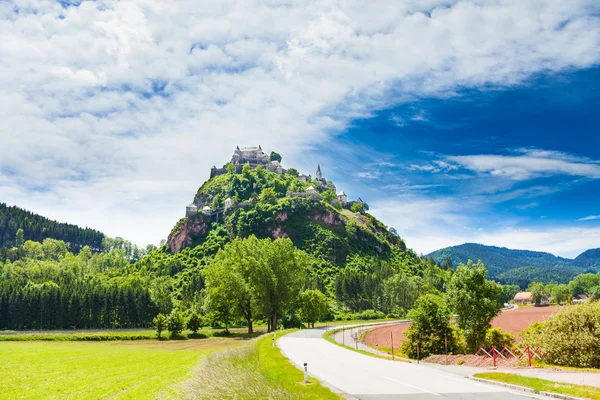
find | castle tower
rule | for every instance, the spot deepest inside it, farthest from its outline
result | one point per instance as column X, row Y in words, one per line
column 319, row 174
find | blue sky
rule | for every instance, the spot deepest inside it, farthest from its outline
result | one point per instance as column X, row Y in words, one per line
column 458, row 121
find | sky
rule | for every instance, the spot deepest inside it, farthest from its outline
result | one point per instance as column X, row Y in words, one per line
column 456, row 121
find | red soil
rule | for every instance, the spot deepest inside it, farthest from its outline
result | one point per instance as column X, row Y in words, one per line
column 381, row 336
column 514, row 321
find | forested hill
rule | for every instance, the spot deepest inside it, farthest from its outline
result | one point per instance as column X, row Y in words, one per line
column 37, row 228
column 521, row 266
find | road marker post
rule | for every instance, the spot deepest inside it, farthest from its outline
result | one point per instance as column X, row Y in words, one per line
column 305, row 373
column 377, row 348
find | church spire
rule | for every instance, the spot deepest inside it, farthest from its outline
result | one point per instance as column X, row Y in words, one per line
column 319, row 174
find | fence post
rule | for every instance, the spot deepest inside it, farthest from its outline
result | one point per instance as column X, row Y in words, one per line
column 392, row 339
column 446, row 345
column 377, row 348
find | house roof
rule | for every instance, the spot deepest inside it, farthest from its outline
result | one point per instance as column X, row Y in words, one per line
column 341, row 193
column 310, row 188
column 192, row 205
column 523, row 296
column 205, row 208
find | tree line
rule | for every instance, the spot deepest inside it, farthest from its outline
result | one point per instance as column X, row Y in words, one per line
column 37, row 228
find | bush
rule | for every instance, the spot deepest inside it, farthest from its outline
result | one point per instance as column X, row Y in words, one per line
column 371, row 314
column 571, row 337
column 175, row 323
column 195, row 322
column 496, row 337
column 159, row 323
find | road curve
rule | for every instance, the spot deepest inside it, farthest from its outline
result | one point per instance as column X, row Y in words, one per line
column 369, row 378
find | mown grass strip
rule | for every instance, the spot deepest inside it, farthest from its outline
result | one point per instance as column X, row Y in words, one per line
column 543, row 385
column 254, row 370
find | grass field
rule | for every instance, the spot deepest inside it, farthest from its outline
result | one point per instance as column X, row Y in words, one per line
column 95, row 370
column 542, row 385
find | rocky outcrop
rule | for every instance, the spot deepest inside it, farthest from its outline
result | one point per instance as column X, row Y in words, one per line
column 185, row 231
column 329, row 218
column 278, row 232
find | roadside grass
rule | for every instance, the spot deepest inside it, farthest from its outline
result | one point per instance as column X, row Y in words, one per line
column 543, row 385
column 93, row 370
column 255, row 370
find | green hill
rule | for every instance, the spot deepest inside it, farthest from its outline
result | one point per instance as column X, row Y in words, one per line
column 521, row 266
column 37, row 228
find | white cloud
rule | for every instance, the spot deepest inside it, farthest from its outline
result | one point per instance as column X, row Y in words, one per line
column 529, row 164
column 114, row 111
column 428, row 225
column 589, row 218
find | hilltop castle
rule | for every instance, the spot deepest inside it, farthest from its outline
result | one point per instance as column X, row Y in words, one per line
column 255, row 157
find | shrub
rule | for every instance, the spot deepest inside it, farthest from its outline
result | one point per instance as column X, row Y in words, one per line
column 496, row 337
column 195, row 322
column 571, row 337
column 159, row 323
column 175, row 323
column 371, row 314
column 460, row 362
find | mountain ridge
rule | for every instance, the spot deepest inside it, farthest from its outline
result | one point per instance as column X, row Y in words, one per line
column 518, row 266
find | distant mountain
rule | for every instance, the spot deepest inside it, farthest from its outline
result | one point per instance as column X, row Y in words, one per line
column 521, row 266
column 37, row 228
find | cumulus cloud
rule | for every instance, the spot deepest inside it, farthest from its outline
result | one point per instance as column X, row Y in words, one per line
column 113, row 111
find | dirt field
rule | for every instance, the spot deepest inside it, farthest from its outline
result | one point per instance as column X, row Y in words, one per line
column 514, row 321
column 381, row 336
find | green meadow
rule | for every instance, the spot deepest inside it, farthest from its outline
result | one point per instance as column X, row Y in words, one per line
column 95, row 370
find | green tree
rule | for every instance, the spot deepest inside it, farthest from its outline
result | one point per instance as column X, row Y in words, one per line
column 583, row 283
column 538, row 292
column 594, row 293
column 328, row 196
column 275, row 156
column 230, row 169
column 268, row 195
column 194, row 323
column 447, row 265
column 160, row 292
column 430, row 328
column 357, row 207
column 474, row 300
column 175, row 323
column 160, row 322
column 226, row 292
column 313, row 306
column 560, row 293
column 292, row 172
column 19, row 238
column 400, row 293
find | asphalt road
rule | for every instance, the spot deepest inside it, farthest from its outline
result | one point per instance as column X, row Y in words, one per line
column 369, row 378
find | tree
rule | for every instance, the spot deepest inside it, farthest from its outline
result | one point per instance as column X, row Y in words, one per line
column 159, row 323
column 538, row 292
column 447, row 265
column 560, row 293
column 275, row 156
column 594, row 293
column 329, row 196
column 474, row 300
column 160, row 292
column 430, row 329
column 268, row 195
column 292, row 172
column 357, row 207
column 19, row 238
column 313, row 306
column 230, row 169
column 175, row 322
column 226, row 292
column 194, row 322
column 583, row 283
column 400, row 293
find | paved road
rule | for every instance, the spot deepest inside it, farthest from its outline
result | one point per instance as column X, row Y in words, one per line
column 369, row 378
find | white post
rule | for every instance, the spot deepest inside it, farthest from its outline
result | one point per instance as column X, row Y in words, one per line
column 377, row 348
column 273, row 342
column 305, row 373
